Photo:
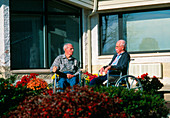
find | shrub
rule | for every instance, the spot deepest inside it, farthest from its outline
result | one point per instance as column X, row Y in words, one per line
column 79, row 102
column 138, row 103
column 11, row 95
column 150, row 84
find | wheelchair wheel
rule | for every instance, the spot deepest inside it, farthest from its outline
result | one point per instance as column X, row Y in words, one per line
column 130, row 82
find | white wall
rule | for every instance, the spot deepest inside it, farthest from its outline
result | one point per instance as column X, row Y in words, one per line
column 4, row 35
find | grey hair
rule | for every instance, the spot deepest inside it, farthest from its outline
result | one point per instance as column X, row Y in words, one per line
column 66, row 45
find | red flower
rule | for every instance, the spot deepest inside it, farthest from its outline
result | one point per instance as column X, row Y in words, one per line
column 120, row 101
column 33, row 75
column 79, row 109
column 68, row 110
column 106, row 99
column 144, row 75
column 154, row 77
column 89, row 113
column 124, row 115
column 90, row 107
column 23, row 84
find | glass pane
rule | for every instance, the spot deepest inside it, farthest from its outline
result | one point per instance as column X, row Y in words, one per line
column 61, row 30
column 109, row 33
column 26, row 5
column 26, row 42
column 147, row 31
column 56, row 6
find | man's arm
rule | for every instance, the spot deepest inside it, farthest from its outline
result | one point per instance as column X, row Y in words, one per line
column 107, row 67
column 55, row 64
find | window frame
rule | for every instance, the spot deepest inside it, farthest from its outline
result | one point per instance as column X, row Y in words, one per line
column 120, row 24
column 45, row 14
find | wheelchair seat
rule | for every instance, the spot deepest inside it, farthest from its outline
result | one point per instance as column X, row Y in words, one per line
column 127, row 81
column 112, row 78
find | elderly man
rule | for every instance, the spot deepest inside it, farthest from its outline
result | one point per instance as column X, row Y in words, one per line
column 119, row 61
column 66, row 66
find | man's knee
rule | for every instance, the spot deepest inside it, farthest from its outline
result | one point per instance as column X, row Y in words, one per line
column 73, row 81
column 97, row 81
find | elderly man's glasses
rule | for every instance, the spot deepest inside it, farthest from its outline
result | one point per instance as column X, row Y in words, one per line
column 117, row 46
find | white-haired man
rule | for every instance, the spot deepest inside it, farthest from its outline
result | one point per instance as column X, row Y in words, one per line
column 66, row 66
column 119, row 61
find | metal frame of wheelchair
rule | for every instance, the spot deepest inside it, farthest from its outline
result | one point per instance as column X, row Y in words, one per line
column 127, row 81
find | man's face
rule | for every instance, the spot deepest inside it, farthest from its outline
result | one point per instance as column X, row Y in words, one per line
column 119, row 48
column 69, row 50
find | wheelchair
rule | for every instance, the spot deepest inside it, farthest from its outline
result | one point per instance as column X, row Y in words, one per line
column 127, row 81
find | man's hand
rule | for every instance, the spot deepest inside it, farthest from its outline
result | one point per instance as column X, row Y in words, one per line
column 54, row 69
column 106, row 69
column 69, row 76
column 101, row 70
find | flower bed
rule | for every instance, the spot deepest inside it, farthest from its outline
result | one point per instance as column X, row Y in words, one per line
column 79, row 102
column 31, row 98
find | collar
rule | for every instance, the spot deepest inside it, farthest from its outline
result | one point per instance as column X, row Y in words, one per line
column 64, row 57
column 120, row 53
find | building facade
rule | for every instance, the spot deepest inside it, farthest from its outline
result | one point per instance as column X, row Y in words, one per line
column 32, row 33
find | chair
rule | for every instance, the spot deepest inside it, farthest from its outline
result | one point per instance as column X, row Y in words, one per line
column 56, row 78
column 128, row 81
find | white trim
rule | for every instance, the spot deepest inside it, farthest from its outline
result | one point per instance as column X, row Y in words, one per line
column 115, row 4
column 150, row 55
column 88, row 4
column 31, row 71
column 138, row 55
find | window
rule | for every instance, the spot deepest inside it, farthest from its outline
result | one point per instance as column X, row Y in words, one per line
column 144, row 31
column 39, row 29
column 109, row 33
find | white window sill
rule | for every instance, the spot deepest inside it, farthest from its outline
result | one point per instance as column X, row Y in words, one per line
column 42, row 71
column 138, row 55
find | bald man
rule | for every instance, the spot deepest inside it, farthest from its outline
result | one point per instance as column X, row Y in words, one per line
column 119, row 61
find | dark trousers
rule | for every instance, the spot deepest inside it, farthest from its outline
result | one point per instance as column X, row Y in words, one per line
column 99, row 80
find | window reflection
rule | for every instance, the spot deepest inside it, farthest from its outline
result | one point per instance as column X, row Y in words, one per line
column 147, row 31
column 109, row 33
column 144, row 31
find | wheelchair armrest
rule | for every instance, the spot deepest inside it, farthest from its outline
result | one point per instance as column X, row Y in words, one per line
column 117, row 70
